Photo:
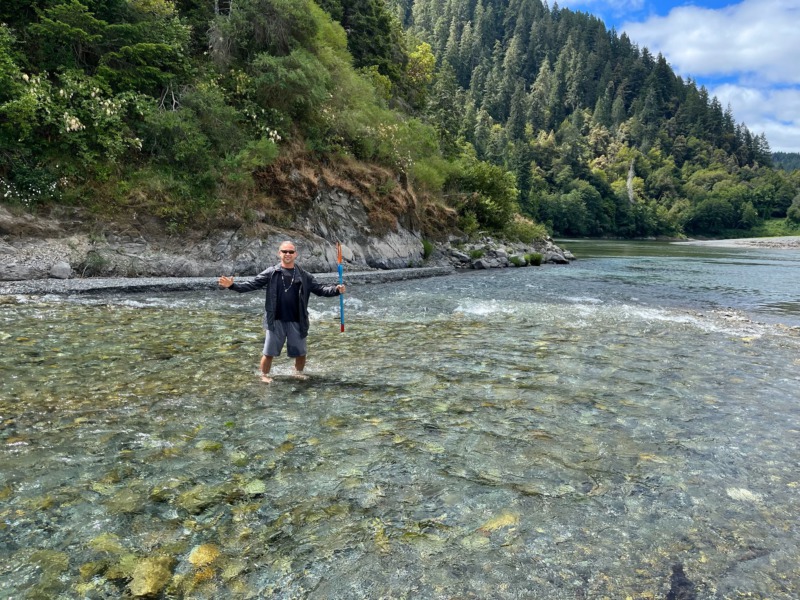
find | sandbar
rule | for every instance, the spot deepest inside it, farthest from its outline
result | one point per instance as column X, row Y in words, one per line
column 789, row 242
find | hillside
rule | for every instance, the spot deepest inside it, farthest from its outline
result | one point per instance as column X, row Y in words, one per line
column 194, row 114
column 788, row 161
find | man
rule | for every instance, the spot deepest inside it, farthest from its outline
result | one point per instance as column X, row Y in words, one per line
column 286, row 321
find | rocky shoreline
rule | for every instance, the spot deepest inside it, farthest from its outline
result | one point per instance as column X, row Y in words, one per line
column 39, row 250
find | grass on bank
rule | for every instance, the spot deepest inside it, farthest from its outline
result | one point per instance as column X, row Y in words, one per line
column 765, row 229
column 775, row 228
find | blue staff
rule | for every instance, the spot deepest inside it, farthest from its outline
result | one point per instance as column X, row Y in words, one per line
column 341, row 281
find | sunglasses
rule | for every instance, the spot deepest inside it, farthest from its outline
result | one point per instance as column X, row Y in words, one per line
column 287, row 251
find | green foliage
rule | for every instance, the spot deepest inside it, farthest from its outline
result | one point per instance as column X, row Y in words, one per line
column 95, row 265
column 374, row 36
column 468, row 223
column 147, row 67
column 69, row 36
column 525, row 230
column 487, row 191
column 257, row 155
column 788, row 161
column 295, row 85
column 775, row 227
column 427, row 249
column 712, row 215
column 534, row 259
column 173, row 196
column 59, row 133
column 748, row 216
column 10, row 74
column 602, row 137
column 142, row 54
column 476, row 254
column 227, row 128
column 430, row 174
column 517, row 261
column 793, row 214
column 257, row 27
column 478, row 105
column 175, row 138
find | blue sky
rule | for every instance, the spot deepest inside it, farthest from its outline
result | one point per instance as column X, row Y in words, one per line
column 746, row 53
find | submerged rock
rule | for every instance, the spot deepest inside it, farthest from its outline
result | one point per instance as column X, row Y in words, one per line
column 203, row 555
column 198, row 498
column 108, row 543
column 150, row 576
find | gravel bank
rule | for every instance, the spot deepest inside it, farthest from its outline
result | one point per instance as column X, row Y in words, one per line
column 784, row 243
column 183, row 284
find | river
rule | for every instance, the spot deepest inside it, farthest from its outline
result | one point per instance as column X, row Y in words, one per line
column 545, row 432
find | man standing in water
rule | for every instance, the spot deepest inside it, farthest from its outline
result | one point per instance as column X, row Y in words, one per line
column 286, row 321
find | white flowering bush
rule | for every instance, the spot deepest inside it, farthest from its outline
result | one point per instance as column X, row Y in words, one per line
column 73, row 116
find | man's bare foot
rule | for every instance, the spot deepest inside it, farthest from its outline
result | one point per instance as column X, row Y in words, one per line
column 266, row 378
column 299, row 375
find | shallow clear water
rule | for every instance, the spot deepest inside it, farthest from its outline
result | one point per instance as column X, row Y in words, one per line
column 560, row 432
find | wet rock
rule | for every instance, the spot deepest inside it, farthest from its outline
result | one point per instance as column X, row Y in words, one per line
column 124, row 568
column 51, row 561
column 459, row 256
column 557, row 258
column 108, row 543
column 209, row 446
column 256, row 487
column 150, row 576
column 91, row 569
column 125, row 502
column 61, row 270
column 198, row 498
column 204, row 555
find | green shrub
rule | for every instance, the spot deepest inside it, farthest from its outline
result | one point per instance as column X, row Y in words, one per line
column 174, row 137
column 793, row 214
column 430, row 173
column 487, row 191
column 468, row 223
column 258, row 154
column 525, row 230
column 94, row 265
column 476, row 254
column 516, row 261
column 534, row 259
column 427, row 249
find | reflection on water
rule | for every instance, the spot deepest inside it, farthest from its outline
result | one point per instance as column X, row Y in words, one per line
column 467, row 437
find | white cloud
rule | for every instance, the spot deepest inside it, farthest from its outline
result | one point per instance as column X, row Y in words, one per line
column 774, row 112
column 756, row 36
column 754, row 43
column 589, row 5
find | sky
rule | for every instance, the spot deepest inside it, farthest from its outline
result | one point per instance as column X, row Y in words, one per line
column 746, row 53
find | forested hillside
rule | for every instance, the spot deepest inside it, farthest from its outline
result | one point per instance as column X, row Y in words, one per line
column 186, row 110
column 788, row 161
column 602, row 136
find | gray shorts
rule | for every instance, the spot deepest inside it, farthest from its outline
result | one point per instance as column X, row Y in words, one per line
column 286, row 332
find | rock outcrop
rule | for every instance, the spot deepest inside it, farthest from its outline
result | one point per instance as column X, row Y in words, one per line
column 33, row 248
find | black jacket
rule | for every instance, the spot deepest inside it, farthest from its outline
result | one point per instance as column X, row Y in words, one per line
column 271, row 279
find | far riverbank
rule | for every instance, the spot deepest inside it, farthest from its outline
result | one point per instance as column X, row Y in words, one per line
column 785, row 242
